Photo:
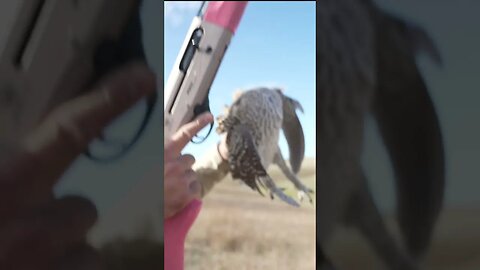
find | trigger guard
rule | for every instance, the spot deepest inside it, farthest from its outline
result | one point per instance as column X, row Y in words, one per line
column 199, row 109
column 205, row 137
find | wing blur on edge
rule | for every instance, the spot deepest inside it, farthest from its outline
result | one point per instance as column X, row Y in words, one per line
column 410, row 129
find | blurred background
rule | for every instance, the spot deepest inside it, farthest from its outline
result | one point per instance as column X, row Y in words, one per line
column 123, row 214
column 454, row 88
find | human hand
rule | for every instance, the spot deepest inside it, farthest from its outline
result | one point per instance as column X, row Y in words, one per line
column 37, row 230
column 181, row 192
column 181, row 185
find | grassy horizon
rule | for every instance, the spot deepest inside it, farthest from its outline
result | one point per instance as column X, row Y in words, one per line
column 239, row 229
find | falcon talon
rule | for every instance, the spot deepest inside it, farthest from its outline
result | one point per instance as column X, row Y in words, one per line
column 301, row 195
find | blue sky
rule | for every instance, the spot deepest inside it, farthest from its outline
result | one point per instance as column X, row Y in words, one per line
column 273, row 46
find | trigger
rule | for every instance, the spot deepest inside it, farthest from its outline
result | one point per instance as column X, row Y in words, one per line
column 199, row 109
column 203, row 138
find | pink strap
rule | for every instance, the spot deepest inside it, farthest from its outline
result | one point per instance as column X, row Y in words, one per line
column 175, row 231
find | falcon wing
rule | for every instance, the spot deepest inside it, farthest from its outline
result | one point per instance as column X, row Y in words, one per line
column 293, row 132
column 410, row 128
column 245, row 163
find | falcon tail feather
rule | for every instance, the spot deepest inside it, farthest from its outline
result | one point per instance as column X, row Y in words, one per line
column 411, row 132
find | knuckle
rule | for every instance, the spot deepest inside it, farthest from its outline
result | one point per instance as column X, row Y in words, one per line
column 66, row 131
column 175, row 168
column 188, row 160
column 186, row 133
column 119, row 98
column 182, row 197
column 178, row 202
column 168, row 150
column 167, row 171
column 190, row 176
column 195, row 188
column 70, row 129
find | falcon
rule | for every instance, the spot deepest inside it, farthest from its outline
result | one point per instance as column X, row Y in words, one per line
column 366, row 66
column 252, row 125
column 366, row 59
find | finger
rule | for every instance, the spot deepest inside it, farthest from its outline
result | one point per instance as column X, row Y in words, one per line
column 176, row 185
column 74, row 124
column 45, row 234
column 193, row 184
column 16, row 197
column 171, row 169
column 181, row 138
column 188, row 189
column 187, row 161
column 196, row 189
column 68, row 130
column 178, row 167
column 180, row 193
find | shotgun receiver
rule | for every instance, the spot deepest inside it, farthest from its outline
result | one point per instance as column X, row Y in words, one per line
column 52, row 50
column 187, row 88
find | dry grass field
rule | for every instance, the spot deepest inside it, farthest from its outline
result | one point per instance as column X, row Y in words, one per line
column 239, row 229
